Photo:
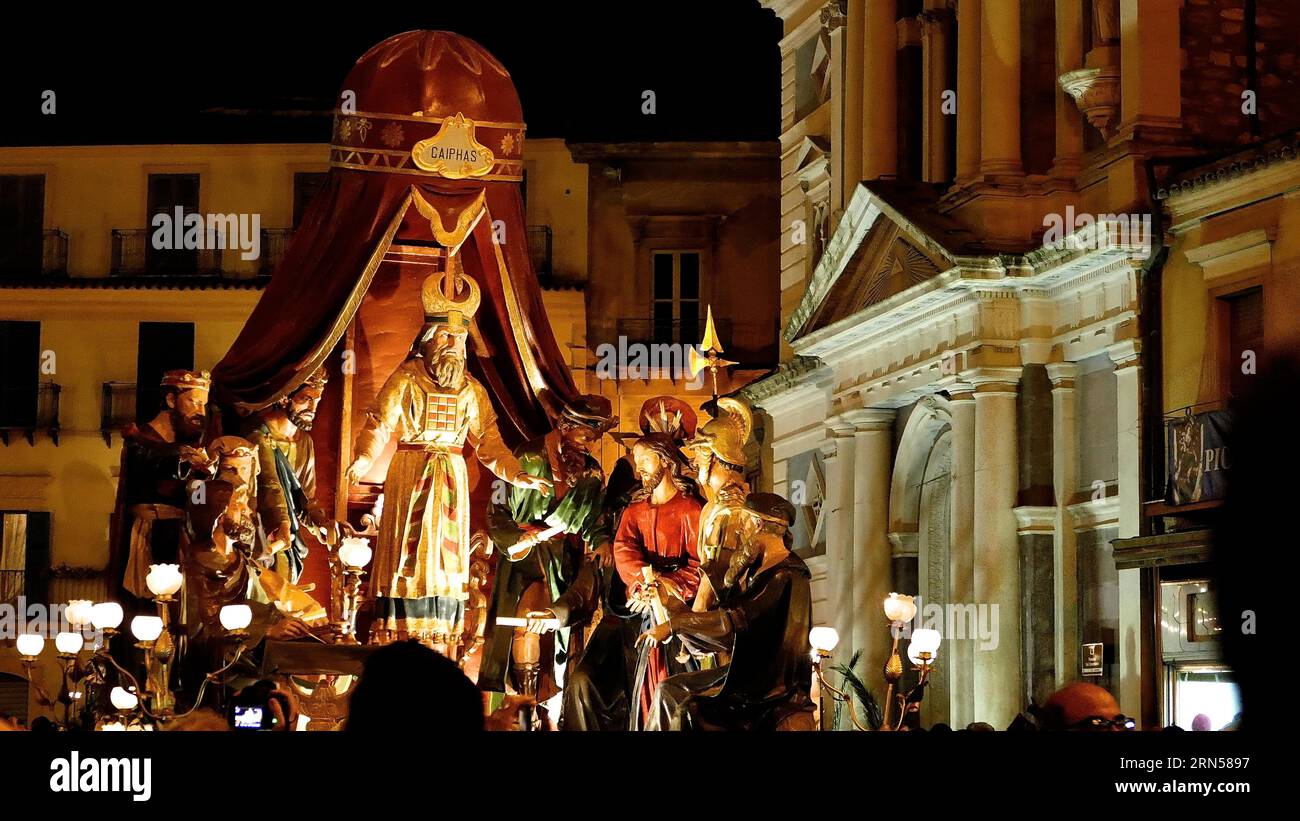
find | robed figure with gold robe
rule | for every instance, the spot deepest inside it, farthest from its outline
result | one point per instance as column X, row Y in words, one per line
column 421, row 563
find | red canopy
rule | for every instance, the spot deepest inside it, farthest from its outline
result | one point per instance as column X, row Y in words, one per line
column 403, row 94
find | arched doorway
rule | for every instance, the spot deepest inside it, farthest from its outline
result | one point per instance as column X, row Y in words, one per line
column 920, row 515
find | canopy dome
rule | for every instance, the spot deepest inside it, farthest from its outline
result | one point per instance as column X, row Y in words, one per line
column 409, row 87
column 434, row 74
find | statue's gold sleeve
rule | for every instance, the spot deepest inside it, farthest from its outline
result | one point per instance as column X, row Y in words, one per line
column 385, row 418
column 486, row 439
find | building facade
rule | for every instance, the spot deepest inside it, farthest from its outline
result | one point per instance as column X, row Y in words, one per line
column 970, row 226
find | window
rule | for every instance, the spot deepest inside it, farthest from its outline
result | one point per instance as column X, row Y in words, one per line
column 22, row 223
column 1242, row 316
column 20, row 351
column 167, row 192
column 676, row 315
column 163, row 346
column 306, row 185
column 24, row 555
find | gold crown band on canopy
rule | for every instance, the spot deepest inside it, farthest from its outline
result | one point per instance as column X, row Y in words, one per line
column 394, row 144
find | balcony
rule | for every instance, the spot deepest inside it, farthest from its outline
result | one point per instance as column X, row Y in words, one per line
column 275, row 241
column 117, row 409
column 13, row 583
column 133, row 255
column 29, row 409
column 752, row 343
column 672, row 331
column 46, row 257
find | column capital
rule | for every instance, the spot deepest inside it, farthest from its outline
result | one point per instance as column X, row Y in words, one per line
column 993, row 380
column 869, row 419
column 834, row 15
column 1125, row 354
column 1062, row 375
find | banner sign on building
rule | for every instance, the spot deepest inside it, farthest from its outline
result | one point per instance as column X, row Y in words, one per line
column 1196, row 457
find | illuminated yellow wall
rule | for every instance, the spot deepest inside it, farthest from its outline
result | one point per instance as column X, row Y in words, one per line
column 92, row 190
column 1191, row 366
column 557, row 196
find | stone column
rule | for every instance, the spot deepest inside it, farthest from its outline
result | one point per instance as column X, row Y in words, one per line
column 843, row 176
column 854, row 131
column 1150, row 63
column 1069, row 56
column 968, row 89
column 999, row 685
column 936, row 33
column 1065, row 564
column 880, row 90
column 961, row 553
column 1128, row 405
column 839, row 534
column 872, row 555
column 1000, row 88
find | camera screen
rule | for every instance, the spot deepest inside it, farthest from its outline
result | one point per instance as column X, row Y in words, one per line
column 248, row 718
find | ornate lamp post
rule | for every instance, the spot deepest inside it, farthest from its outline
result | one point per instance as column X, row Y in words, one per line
column 354, row 554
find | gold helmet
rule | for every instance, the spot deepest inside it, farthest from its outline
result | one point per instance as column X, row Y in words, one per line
column 726, row 435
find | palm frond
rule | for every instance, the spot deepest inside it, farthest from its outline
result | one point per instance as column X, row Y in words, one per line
column 850, row 681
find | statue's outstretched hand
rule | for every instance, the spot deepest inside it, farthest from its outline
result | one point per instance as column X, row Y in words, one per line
column 359, row 468
column 527, row 481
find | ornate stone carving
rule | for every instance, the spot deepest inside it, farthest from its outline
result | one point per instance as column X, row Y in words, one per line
column 1096, row 93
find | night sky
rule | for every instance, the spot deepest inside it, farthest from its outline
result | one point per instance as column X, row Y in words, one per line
column 220, row 75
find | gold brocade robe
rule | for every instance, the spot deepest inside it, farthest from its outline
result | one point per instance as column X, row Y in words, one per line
column 423, row 551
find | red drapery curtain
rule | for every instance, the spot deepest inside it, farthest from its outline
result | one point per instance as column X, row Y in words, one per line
column 332, row 261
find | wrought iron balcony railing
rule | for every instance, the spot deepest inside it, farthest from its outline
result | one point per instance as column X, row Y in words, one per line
column 29, row 409
column 117, row 410
column 134, row 255
column 45, row 254
column 649, row 331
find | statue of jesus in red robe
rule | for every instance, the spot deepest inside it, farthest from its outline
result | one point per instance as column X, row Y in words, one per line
column 660, row 531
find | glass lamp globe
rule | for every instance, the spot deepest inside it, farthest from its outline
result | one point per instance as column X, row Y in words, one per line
column 123, row 699
column 236, row 617
column 355, row 552
column 914, row 655
column 163, row 579
column 146, row 628
column 78, row 612
column 823, row 639
column 899, row 607
column 69, row 643
column 30, row 645
column 106, row 615
column 925, row 641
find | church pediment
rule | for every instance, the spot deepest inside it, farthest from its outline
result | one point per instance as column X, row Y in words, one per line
column 875, row 253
